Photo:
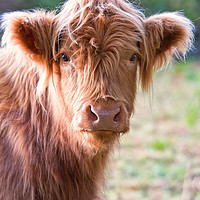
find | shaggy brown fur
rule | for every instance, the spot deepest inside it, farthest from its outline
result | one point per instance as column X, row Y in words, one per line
column 53, row 68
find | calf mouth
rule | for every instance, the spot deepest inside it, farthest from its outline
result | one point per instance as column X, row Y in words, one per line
column 104, row 135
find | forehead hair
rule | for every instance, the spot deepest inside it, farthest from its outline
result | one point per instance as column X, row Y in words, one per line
column 99, row 24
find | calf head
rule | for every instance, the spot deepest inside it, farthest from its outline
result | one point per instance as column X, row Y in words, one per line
column 92, row 56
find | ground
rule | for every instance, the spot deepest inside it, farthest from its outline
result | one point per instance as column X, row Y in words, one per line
column 163, row 145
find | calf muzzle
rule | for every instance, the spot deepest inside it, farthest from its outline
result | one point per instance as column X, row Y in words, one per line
column 105, row 116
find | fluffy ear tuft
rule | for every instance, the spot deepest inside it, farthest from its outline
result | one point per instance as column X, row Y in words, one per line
column 167, row 34
column 29, row 32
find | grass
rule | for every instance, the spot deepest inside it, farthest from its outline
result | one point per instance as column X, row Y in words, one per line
column 160, row 144
column 163, row 140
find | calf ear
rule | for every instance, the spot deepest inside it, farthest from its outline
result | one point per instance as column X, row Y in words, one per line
column 28, row 32
column 167, row 34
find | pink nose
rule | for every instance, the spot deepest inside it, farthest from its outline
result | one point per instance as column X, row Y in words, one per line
column 106, row 118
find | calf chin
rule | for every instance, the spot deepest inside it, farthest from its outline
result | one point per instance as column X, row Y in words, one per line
column 93, row 143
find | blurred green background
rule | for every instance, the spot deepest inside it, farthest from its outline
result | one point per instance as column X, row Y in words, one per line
column 164, row 139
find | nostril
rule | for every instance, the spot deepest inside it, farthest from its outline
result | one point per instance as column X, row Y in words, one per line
column 117, row 117
column 91, row 114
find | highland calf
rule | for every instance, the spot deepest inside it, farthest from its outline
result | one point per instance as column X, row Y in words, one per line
column 68, row 83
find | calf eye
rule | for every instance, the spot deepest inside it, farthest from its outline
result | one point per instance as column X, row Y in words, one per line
column 65, row 57
column 133, row 57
